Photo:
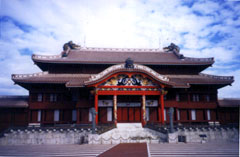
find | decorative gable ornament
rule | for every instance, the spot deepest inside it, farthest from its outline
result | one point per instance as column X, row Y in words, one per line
column 129, row 63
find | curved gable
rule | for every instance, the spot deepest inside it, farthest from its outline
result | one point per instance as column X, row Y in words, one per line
column 138, row 72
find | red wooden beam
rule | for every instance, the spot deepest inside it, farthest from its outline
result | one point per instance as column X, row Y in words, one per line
column 128, row 87
column 129, row 92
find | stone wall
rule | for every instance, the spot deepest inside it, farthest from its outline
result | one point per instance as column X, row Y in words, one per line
column 38, row 137
column 132, row 133
column 221, row 134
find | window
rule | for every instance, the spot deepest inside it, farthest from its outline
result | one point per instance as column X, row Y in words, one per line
column 147, row 113
column 165, row 116
column 177, row 97
column 109, row 114
column 56, row 115
column 195, row 97
column 178, row 114
column 208, row 115
column 165, row 97
column 193, row 114
column 39, row 97
column 39, row 115
column 53, row 97
column 90, row 115
column 207, row 98
column 74, row 115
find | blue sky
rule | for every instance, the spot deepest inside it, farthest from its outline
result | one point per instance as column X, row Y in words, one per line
column 201, row 28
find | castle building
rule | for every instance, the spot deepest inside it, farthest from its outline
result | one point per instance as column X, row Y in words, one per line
column 122, row 85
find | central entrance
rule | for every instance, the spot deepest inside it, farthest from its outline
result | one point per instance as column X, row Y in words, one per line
column 129, row 108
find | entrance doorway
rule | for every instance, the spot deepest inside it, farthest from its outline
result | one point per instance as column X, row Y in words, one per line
column 129, row 114
column 129, row 108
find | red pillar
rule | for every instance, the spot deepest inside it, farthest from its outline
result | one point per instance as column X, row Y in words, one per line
column 96, row 107
column 162, row 108
column 115, row 109
column 143, row 110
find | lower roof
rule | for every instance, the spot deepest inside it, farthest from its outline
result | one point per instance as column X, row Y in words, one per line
column 81, row 80
column 78, row 80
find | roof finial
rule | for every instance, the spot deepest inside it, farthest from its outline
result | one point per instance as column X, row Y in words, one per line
column 172, row 47
column 129, row 63
column 70, row 45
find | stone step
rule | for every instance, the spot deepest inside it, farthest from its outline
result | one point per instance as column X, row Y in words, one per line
column 132, row 126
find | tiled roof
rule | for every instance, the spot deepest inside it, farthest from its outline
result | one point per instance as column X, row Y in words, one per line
column 201, row 79
column 77, row 80
column 45, row 77
column 117, row 56
column 13, row 101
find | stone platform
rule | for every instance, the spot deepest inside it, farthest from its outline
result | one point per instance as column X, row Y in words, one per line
column 205, row 135
column 38, row 136
column 123, row 133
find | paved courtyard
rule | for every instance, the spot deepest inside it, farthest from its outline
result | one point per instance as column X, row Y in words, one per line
column 221, row 149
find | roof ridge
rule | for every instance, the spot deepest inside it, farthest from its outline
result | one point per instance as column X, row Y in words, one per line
column 122, row 49
column 38, row 56
column 16, row 76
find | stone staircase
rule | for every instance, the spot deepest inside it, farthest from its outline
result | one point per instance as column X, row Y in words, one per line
column 128, row 133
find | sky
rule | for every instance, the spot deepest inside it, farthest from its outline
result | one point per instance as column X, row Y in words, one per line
column 200, row 28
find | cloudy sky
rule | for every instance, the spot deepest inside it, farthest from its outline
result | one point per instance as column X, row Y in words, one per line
column 200, row 28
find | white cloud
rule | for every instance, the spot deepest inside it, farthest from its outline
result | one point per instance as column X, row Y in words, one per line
column 118, row 23
column 233, row 90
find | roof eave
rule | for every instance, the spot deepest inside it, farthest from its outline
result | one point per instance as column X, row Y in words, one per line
column 144, row 63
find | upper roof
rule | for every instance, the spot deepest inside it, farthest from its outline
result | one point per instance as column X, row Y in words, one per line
column 119, row 55
column 13, row 101
column 74, row 54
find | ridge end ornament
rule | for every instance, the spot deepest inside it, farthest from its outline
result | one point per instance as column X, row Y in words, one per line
column 129, row 63
column 70, row 45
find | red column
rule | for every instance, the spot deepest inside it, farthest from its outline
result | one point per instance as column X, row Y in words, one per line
column 162, row 108
column 96, row 107
column 115, row 109
column 143, row 110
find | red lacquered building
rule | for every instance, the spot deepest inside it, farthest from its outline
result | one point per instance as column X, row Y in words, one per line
column 123, row 85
